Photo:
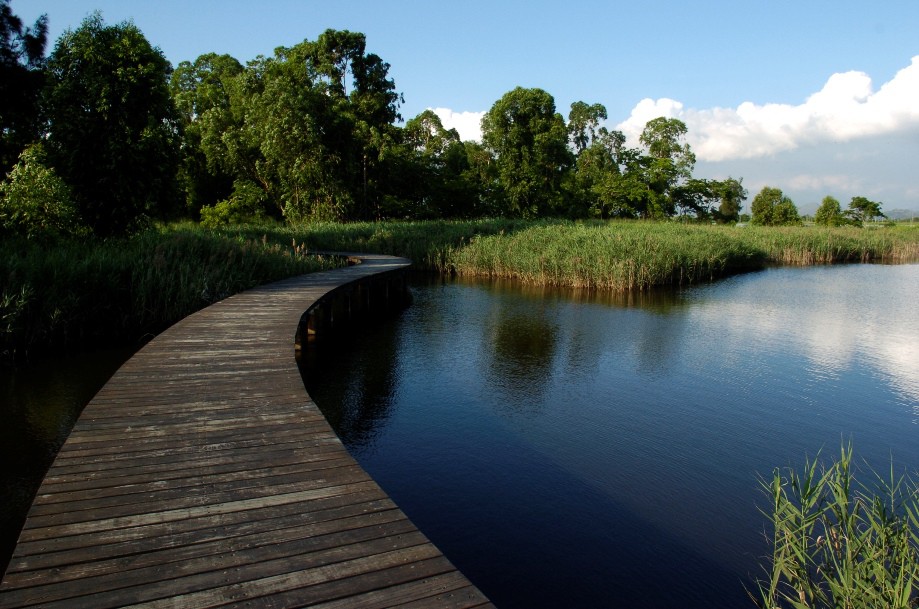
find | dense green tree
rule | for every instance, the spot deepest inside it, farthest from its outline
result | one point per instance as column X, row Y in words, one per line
column 598, row 178
column 439, row 164
column 829, row 213
column 113, row 128
column 205, row 93
column 669, row 163
column 862, row 210
column 368, row 109
column 312, row 126
column 482, row 179
column 772, row 208
column 530, row 142
column 695, row 198
column 22, row 58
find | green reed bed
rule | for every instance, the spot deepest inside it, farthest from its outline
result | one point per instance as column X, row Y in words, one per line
column 76, row 295
column 615, row 256
column 87, row 294
column 800, row 246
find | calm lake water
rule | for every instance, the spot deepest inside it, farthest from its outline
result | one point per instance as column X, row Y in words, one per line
column 569, row 450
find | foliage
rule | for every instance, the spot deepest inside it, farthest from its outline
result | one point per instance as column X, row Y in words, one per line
column 829, row 213
column 245, row 206
column 21, row 79
column 617, row 256
column 79, row 294
column 204, row 92
column 35, row 203
column 310, row 126
column 530, row 142
column 862, row 210
column 839, row 541
column 772, row 208
column 113, row 130
column 731, row 194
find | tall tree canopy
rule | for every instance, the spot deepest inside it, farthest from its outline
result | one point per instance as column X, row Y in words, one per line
column 670, row 162
column 207, row 101
column 113, row 128
column 530, row 142
column 22, row 58
column 308, row 126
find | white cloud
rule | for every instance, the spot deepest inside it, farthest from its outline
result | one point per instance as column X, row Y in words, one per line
column 845, row 109
column 468, row 124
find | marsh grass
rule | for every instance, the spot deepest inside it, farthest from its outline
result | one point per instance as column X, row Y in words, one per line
column 615, row 255
column 81, row 295
column 839, row 541
column 90, row 294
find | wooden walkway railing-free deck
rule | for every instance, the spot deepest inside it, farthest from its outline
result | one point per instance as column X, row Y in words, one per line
column 202, row 475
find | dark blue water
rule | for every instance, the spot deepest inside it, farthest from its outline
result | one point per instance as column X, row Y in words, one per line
column 568, row 450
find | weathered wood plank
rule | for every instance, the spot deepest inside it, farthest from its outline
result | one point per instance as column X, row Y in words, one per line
column 203, row 475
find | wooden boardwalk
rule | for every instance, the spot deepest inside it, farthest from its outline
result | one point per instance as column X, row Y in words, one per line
column 202, row 475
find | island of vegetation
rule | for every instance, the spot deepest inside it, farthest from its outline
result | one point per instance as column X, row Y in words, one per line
column 135, row 193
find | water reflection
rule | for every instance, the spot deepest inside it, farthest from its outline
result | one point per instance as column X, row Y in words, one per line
column 520, row 358
column 550, row 440
column 358, row 407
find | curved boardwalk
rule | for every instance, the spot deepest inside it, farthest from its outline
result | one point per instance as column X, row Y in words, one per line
column 202, row 475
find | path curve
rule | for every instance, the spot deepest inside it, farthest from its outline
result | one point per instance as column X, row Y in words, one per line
column 203, row 475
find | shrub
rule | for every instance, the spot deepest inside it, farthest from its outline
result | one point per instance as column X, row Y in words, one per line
column 243, row 207
column 35, row 202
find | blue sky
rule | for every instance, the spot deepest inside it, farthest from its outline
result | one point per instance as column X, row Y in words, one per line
column 814, row 97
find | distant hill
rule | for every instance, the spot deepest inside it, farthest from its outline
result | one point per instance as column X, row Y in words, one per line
column 901, row 214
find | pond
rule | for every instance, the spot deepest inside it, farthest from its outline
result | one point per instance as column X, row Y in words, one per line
column 575, row 450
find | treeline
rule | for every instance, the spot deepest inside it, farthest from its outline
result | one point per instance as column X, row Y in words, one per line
column 103, row 136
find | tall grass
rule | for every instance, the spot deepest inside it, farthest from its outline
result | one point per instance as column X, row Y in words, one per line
column 89, row 294
column 619, row 256
column 812, row 245
column 431, row 245
column 839, row 541
column 93, row 294
column 611, row 256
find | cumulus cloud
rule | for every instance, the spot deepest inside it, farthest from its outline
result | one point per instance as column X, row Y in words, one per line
column 468, row 124
column 845, row 109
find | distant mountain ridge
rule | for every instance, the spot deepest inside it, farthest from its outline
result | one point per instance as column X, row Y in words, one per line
column 901, row 214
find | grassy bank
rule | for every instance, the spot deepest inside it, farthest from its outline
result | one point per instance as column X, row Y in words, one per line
column 78, row 295
column 617, row 256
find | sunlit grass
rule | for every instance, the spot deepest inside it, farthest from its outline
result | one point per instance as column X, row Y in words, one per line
column 841, row 538
column 620, row 256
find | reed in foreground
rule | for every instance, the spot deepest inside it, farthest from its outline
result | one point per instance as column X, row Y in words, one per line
column 841, row 542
